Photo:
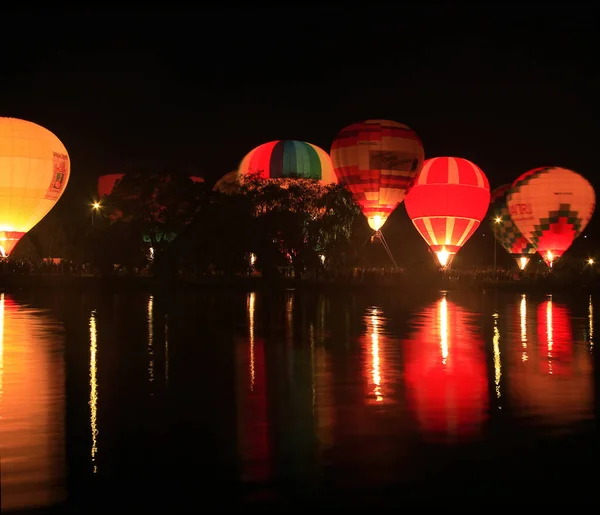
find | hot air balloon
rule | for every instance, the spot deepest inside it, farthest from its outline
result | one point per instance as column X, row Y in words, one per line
column 551, row 206
column 288, row 159
column 377, row 161
column 106, row 183
column 505, row 230
column 34, row 172
column 447, row 203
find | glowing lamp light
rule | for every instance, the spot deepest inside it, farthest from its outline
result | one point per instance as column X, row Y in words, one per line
column 96, row 205
column 522, row 262
column 375, row 222
column 590, row 261
column 443, row 257
column 497, row 220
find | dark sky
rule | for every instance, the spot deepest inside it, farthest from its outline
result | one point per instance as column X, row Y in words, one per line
column 509, row 87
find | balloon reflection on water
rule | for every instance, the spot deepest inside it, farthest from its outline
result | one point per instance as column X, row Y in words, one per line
column 550, row 377
column 32, row 410
column 446, row 374
column 555, row 339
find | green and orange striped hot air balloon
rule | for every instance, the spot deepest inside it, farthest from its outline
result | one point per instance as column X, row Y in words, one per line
column 288, row 159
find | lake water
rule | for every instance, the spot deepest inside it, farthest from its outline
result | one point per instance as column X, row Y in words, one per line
column 170, row 402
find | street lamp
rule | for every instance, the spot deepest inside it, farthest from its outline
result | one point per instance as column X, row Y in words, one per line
column 497, row 220
column 95, row 207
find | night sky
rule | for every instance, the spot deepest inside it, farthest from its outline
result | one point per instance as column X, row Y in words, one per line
column 510, row 88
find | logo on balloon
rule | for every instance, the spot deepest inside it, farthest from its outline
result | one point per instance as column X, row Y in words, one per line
column 390, row 160
column 520, row 209
column 60, row 172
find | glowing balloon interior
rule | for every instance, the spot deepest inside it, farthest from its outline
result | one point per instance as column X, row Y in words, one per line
column 288, row 159
column 377, row 161
column 505, row 231
column 551, row 206
column 446, row 204
column 34, row 172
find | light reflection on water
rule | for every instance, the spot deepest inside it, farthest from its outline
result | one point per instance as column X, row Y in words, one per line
column 32, row 410
column 550, row 372
column 445, row 367
column 338, row 391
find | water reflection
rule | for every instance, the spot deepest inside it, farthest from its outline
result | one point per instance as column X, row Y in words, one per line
column 93, row 389
column 374, row 320
column 497, row 357
column 252, row 405
column 32, row 410
column 151, row 341
column 323, row 384
column 335, row 391
column 523, row 326
column 590, row 336
column 166, row 349
column 553, row 385
column 554, row 337
column 445, row 372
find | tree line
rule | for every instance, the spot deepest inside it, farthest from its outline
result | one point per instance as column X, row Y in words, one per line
column 167, row 223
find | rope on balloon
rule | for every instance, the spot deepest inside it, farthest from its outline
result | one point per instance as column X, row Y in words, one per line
column 378, row 234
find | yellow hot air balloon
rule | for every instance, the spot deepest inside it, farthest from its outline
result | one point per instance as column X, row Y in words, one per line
column 34, row 172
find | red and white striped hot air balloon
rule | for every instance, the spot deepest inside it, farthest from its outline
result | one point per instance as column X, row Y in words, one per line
column 377, row 160
column 446, row 204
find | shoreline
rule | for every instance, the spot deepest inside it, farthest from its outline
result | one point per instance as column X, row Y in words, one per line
column 413, row 285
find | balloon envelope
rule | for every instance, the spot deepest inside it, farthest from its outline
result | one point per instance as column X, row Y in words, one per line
column 288, row 159
column 447, row 203
column 106, row 183
column 34, row 172
column 505, row 230
column 377, row 161
column 551, row 206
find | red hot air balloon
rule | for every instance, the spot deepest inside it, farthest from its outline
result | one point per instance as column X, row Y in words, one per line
column 106, row 183
column 551, row 206
column 447, row 203
column 377, row 161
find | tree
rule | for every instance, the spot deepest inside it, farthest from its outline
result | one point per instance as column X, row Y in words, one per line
column 27, row 250
column 303, row 219
column 156, row 207
column 221, row 235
